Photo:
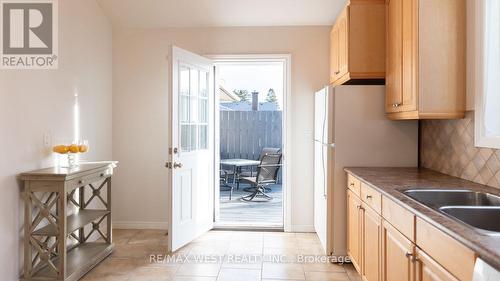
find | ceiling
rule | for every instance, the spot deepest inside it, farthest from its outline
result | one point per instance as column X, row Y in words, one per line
column 195, row 13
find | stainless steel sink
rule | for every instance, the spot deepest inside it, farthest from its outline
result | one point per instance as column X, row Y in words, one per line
column 479, row 210
column 485, row 219
column 436, row 198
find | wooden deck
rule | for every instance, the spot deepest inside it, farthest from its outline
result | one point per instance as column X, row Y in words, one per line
column 239, row 213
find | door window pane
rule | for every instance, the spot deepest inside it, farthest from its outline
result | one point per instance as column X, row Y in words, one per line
column 193, row 137
column 184, row 80
column 194, row 82
column 185, row 138
column 203, row 111
column 203, row 137
column 193, row 109
column 184, row 108
column 203, row 83
column 188, row 137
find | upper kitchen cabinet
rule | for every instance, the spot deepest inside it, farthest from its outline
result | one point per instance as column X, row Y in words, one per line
column 426, row 59
column 357, row 50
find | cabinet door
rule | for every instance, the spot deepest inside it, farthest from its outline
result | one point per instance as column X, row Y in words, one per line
column 408, row 100
column 372, row 248
column 397, row 255
column 354, row 229
column 394, row 48
column 334, row 54
column 343, row 29
column 429, row 270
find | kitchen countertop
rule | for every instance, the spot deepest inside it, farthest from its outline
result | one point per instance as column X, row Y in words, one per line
column 389, row 181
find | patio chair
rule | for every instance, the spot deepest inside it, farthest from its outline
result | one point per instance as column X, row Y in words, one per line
column 250, row 173
column 224, row 183
column 267, row 174
column 265, row 150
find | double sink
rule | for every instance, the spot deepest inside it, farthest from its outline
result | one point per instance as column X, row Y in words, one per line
column 479, row 210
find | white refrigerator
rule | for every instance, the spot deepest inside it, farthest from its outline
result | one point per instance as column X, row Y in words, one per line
column 351, row 130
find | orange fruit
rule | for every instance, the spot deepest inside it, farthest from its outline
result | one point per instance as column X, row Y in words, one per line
column 83, row 148
column 61, row 149
column 74, row 148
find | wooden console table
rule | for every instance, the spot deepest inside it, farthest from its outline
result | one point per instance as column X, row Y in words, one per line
column 63, row 238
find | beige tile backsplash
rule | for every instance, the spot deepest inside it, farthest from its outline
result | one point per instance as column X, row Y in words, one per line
column 447, row 146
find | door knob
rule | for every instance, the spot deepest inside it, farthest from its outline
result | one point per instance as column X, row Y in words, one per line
column 177, row 165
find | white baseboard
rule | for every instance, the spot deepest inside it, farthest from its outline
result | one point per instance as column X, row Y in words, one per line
column 139, row 225
column 302, row 228
column 164, row 225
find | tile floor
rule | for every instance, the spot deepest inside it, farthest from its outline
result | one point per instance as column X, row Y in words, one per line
column 227, row 256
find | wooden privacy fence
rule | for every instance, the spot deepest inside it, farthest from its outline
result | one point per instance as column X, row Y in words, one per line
column 243, row 134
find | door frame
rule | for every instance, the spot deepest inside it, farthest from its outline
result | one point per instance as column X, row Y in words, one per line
column 286, row 59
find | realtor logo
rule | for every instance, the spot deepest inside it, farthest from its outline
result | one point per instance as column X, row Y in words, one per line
column 29, row 34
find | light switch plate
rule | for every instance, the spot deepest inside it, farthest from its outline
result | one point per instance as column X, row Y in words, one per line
column 47, row 140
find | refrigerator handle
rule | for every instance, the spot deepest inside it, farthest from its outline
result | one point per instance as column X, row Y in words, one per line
column 324, row 119
column 326, row 146
column 325, row 177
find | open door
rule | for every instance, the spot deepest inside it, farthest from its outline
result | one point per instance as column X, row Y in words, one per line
column 191, row 133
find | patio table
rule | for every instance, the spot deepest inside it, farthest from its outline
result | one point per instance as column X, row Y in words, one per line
column 238, row 163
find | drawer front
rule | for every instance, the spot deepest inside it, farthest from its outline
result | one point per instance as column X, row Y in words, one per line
column 371, row 197
column 44, row 186
column 84, row 180
column 354, row 184
column 402, row 219
column 453, row 256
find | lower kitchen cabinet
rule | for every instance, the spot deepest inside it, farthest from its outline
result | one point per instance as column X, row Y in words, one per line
column 372, row 246
column 354, row 229
column 429, row 270
column 364, row 242
column 387, row 243
column 397, row 255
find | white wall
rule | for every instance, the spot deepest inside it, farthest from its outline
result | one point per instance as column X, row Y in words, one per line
column 34, row 102
column 140, row 109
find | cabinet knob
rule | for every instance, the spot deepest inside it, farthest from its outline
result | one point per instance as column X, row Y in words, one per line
column 368, row 197
column 337, row 72
column 411, row 257
column 351, row 184
column 396, row 104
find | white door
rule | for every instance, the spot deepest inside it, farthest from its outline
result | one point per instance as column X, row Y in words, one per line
column 192, row 147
